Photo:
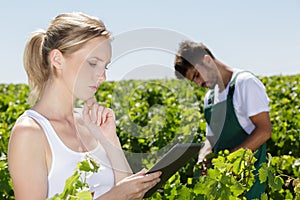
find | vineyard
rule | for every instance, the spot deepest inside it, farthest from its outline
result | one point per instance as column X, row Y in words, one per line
column 154, row 115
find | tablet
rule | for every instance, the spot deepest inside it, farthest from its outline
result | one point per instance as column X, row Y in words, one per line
column 172, row 161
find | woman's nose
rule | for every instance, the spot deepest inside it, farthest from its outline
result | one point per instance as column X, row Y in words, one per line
column 101, row 77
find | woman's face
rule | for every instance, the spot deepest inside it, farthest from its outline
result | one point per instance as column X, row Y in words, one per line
column 86, row 67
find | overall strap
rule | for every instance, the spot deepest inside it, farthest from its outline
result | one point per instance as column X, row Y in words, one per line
column 232, row 84
column 211, row 96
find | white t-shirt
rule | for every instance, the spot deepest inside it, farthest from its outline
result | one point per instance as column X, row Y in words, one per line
column 249, row 99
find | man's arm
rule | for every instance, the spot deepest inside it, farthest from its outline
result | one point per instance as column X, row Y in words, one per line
column 261, row 133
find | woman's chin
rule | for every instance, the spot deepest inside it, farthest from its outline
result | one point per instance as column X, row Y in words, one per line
column 85, row 97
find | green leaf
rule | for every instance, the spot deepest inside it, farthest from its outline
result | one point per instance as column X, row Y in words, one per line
column 225, row 179
column 213, row 173
column 85, row 195
column 225, row 193
column 84, row 166
column 237, row 189
column 275, row 182
column 199, row 188
column 264, row 196
column 69, row 186
column 88, row 164
column 263, row 173
column 184, row 193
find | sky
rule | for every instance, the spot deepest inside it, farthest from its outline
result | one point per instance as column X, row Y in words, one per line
column 262, row 36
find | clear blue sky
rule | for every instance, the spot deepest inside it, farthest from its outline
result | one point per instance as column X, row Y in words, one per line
column 259, row 35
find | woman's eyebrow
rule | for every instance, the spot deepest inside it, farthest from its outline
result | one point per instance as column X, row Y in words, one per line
column 100, row 59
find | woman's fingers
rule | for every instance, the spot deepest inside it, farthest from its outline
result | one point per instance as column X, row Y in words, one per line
column 91, row 101
column 152, row 176
column 99, row 115
column 151, row 183
column 86, row 115
column 147, row 182
column 105, row 115
column 136, row 185
column 92, row 111
column 87, row 110
column 142, row 172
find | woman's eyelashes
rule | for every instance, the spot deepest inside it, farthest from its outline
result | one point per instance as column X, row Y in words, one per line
column 98, row 63
column 93, row 62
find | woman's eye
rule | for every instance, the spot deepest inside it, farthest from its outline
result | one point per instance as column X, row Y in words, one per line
column 92, row 64
column 100, row 64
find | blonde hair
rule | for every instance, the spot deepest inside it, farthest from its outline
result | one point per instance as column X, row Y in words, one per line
column 67, row 32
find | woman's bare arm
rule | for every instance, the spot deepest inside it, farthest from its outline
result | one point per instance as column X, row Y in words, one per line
column 27, row 160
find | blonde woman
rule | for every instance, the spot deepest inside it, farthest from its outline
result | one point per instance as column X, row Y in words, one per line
column 64, row 63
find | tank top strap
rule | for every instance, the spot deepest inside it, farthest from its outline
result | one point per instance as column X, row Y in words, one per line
column 56, row 144
column 45, row 125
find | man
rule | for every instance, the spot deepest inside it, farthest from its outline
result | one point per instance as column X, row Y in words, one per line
column 236, row 104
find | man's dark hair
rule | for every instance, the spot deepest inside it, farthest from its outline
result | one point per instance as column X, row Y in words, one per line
column 189, row 54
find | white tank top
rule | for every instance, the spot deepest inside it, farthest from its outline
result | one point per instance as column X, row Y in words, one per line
column 65, row 160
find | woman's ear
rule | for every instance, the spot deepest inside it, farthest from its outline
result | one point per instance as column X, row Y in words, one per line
column 56, row 59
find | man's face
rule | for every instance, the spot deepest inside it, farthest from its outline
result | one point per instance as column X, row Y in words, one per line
column 203, row 76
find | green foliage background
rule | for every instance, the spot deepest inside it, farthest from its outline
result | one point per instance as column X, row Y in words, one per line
column 153, row 115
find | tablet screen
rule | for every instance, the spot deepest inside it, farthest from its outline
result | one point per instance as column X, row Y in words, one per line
column 172, row 161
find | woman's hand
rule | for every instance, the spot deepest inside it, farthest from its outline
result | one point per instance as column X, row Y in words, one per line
column 133, row 187
column 95, row 114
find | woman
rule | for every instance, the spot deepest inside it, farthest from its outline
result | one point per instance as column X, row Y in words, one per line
column 65, row 63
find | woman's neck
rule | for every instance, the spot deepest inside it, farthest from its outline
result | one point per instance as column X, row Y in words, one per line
column 55, row 103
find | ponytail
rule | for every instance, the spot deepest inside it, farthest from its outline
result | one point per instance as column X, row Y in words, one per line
column 37, row 70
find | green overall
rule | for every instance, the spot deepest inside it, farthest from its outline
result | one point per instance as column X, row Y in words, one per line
column 223, row 121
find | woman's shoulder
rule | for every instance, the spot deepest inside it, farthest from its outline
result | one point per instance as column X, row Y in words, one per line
column 27, row 131
column 26, row 124
column 27, row 157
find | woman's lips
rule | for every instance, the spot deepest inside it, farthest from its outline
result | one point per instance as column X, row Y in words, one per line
column 95, row 88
